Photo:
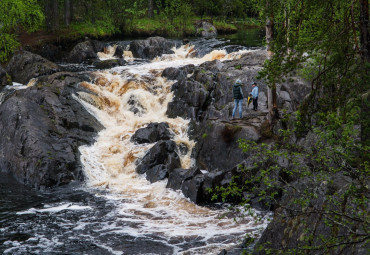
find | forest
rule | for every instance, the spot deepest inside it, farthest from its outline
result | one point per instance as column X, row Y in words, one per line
column 76, row 19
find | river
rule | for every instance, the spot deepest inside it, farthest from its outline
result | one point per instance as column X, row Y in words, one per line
column 117, row 211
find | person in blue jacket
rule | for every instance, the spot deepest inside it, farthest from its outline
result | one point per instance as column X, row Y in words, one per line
column 238, row 98
column 254, row 95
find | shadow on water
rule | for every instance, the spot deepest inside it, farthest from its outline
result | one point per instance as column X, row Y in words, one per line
column 251, row 37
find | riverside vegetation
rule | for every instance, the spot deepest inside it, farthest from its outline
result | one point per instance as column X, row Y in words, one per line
column 58, row 20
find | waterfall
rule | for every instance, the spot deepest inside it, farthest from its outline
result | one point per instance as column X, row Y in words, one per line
column 125, row 99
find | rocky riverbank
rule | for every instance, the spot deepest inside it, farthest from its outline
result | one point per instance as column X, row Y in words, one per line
column 43, row 126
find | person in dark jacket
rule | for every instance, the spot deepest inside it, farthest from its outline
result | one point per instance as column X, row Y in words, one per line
column 238, row 98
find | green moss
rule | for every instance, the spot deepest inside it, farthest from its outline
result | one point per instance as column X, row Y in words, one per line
column 8, row 79
column 204, row 136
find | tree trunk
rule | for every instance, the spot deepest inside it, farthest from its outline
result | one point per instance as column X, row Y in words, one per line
column 55, row 13
column 150, row 9
column 52, row 15
column 68, row 12
column 365, row 57
column 364, row 30
column 271, row 93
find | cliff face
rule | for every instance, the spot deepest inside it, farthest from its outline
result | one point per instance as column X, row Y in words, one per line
column 42, row 128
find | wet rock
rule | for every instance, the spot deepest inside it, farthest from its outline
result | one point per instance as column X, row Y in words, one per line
column 211, row 181
column 42, row 128
column 173, row 73
column 98, row 46
column 151, row 47
column 177, row 177
column 217, row 147
column 206, row 29
column 190, row 96
column 25, row 65
column 119, row 51
column 192, row 188
column 4, row 78
column 110, row 63
column 82, row 52
column 152, row 133
column 162, row 153
column 157, row 173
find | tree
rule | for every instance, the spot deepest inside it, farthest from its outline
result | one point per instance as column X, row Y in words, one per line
column 150, row 9
column 327, row 43
column 51, row 15
column 14, row 15
column 68, row 12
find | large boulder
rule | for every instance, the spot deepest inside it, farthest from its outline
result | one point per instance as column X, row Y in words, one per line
column 25, row 65
column 162, row 153
column 82, row 52
column 206, row 29
column 179, row 175
column 151, row 47
column 4, row 77
column 42, row 128
column 195, row 185
column 218, row 148
column 154, row 132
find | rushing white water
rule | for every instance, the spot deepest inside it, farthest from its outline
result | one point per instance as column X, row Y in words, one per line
column 128, row 98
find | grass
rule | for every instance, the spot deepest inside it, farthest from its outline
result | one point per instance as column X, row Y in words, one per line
column 224, row 27
column 99, row 29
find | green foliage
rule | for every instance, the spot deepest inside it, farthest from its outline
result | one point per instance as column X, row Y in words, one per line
column 16, row 14
column 100, row 28
column 336, row 151
column 320, row 40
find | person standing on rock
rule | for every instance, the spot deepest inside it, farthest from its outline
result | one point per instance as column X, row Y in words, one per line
column 238, row 98
column 254, row 95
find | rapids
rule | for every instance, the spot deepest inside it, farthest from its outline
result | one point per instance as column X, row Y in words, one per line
column 125, row 99
column 118, row 211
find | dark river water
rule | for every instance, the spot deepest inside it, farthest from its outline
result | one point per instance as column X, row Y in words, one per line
column 83, row 219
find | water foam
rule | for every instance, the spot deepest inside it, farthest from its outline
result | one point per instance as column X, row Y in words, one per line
column 125, row 99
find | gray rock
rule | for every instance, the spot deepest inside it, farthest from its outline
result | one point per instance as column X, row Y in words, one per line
column 3, row 77
column 151, row 47
column 206, row 29
column 177, row 177
column 25, row 65
column 162, row 153
column 157, row 173
column 119, row 52
column 192, row 188
column 42, row 128
column 82, row 52
column 154, row 132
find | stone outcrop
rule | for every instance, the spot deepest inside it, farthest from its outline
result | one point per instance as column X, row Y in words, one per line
column 154, row 132
column 160, row 159
column 206, row 29
column 25, row 65
column 42, row 128
column 119, row 51
column 151, row 47
column 195, row 184
column 84, row 51
column 203, row 94
column 4, row 78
